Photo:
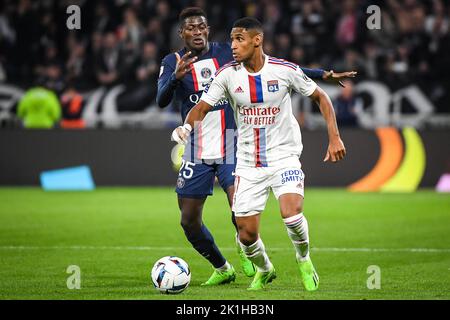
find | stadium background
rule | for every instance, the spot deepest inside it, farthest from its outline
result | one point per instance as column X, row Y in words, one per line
column 113, row 60
column 105, row 78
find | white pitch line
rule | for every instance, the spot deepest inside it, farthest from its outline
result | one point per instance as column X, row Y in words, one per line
column 147, row 248
column 382, row 249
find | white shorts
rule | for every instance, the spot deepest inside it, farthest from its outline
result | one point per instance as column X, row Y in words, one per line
column 252, row 185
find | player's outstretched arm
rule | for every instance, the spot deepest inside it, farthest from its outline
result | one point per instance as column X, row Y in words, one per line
column 329, row 76
column 197, row 114
column 336, row 149
column 338, row 77
column 314, row 73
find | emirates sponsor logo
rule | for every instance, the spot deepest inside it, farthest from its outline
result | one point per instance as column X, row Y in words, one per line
column 258, row 116
column 258, row 111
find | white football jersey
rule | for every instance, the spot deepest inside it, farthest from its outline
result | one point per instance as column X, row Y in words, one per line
column 208, row 138
column 268, row 132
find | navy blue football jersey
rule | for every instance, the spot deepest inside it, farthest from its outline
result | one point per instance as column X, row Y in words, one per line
column 209, row 140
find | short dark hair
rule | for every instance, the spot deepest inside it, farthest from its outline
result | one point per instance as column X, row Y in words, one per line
column 191, row 12
column 248, row 23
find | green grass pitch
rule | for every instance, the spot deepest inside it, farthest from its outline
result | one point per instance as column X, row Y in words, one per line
column 116, row 234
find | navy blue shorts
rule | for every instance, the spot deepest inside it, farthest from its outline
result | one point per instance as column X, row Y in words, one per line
column 196, row 180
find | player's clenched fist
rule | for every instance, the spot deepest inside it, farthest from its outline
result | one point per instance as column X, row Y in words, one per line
column 181, row 134
column 183, row 64
column 336, row 150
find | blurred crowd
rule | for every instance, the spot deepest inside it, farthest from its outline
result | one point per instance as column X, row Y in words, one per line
column 123, row 41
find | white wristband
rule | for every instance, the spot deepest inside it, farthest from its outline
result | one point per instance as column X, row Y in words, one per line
column 188, row 127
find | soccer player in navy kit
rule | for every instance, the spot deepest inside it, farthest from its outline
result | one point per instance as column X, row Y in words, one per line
column 183, row 77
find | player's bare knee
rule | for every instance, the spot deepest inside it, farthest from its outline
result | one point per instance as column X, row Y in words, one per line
column 189, row 224
column 246, row 241
column 297, row 208
column 247, row 237
column 291, row 210
column 184, row 224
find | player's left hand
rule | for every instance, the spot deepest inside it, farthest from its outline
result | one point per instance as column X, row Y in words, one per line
column 337, row 77
column 336, row 150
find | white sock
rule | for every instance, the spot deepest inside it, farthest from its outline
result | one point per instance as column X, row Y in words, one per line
column 225, row 267
column 297, row 229
column 256, row 253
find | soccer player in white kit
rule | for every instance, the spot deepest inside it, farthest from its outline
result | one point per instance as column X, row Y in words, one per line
column 269, row 144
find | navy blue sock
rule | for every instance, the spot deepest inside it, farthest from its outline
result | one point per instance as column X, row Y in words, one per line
column 203, row 242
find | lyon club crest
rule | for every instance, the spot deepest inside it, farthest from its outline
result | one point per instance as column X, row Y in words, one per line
column 272, row 85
